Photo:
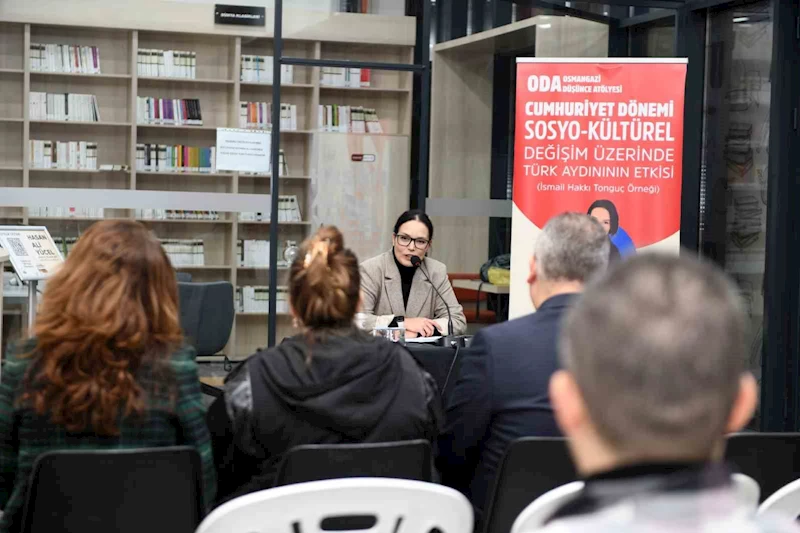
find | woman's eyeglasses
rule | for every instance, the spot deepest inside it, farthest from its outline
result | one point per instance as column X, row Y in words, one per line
column 405, row 240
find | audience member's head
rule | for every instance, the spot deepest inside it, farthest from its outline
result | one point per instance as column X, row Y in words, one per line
column 324, row 285
column 654, row 358
column 112, row 306
column 571, row 250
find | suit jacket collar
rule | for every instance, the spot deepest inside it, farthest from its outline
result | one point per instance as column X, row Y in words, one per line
column 559, row 301
column 394, row 288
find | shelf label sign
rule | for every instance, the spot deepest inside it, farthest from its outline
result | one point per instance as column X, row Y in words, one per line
column 240, row 150
column 239, row 15
column 32, row 252
column 597, row 136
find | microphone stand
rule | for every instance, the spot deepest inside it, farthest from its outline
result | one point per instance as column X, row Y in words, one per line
column 448, row 339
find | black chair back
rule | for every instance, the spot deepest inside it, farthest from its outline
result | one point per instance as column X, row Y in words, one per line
column 772, row 459
column 183, row 277
column 206, row 314
column 531, row 467
column 315, row 462
column 125, row 491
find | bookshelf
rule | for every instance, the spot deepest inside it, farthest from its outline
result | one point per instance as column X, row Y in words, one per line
column 219, row 88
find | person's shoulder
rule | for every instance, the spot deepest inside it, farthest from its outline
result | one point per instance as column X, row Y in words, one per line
column 509, row 328
column 435, row 268
column 184, row 359
column 374, row 264
column 19, row 355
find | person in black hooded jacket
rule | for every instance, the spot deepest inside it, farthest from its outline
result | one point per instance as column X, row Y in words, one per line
column 332, row 383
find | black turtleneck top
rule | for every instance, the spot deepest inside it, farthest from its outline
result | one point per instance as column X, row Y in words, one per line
column 406, row 277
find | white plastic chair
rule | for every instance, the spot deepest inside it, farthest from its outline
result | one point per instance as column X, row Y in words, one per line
column 786, row 500
column 543, row 507
column 748, row 490
column 399, row 505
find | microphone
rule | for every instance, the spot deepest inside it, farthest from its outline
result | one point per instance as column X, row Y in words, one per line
column 417, row 262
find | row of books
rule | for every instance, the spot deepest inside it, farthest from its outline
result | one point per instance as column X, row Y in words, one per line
column 348, row 119
column 66, row 212
column 255, row 299
column 258, row 115
column 69, row 106
column 70, row 58
column 255, row 254
column 345, row 77
column 185, row 111
column 175, row 214
column 283, row 167
column 155, row 63
column 76, row 155
column 184, row 252
column 252, row 253
column 288, row 211
column 258, row 69
column 175, row 158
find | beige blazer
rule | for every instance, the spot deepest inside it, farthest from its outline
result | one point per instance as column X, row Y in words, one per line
column 382, row 294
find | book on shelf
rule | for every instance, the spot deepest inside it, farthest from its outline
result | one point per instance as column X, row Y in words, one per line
column 70, row 155
column 65, row 212
column 175, row 214
column 68, row 107
column 184, row 252
column 258, row 115
column 283, row 167
column 156, row 63
column 252, row 253
column 65, row 58
column 172, row 111
column 259, row 69
column 288, row 211
column 348, row 119
column 345, row 77
column 175, row 158
column 255, row 299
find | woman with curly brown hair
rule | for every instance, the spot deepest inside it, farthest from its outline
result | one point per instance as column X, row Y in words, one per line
column 106, row 366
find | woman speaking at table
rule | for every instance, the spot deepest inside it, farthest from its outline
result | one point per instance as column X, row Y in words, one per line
column 403, row 285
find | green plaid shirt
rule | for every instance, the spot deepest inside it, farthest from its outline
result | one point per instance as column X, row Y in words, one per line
column 24, row 435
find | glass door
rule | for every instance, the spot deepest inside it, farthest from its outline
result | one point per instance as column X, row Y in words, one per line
column 735, row 155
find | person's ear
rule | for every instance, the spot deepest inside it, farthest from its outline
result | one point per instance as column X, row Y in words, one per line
column 532, row 272
column 567, row 401
column 744, row 405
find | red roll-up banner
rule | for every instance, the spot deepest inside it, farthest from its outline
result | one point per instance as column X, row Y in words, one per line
column 602, row 137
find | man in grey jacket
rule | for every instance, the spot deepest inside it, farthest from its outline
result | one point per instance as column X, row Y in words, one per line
column 654, row 377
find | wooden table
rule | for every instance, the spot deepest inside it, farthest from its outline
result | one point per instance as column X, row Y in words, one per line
column 480, row 286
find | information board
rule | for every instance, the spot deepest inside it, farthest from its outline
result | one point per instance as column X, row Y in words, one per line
column 31, row 251
column 241, row 150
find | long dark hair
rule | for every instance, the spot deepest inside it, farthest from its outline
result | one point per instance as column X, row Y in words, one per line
column 415, row 214
column 609, row 206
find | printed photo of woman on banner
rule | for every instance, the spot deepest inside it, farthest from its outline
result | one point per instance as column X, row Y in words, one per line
column 605, row 212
